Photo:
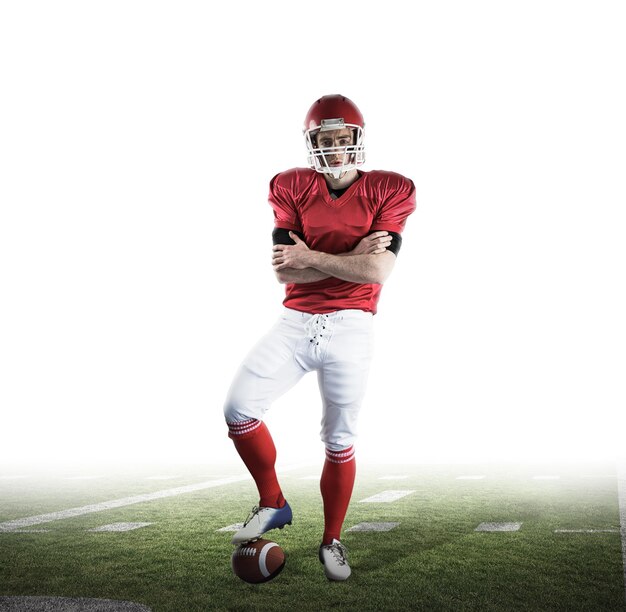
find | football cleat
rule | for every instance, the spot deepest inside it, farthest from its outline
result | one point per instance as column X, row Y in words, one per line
column 260, row 520
column 334, row 559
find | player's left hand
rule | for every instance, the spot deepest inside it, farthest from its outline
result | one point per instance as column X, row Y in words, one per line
column 295, row 256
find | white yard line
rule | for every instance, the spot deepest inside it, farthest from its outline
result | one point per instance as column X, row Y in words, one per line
column 29, row 521
column 498, row 527
column 120, row 527
column 366, row 527
column 386, row 497
column 114, row 503
column 586, row 531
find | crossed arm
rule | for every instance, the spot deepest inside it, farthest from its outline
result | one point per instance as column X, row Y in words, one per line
column 368, row 262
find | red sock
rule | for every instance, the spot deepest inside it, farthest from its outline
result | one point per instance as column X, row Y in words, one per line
column 255, row 446
column 336, row 486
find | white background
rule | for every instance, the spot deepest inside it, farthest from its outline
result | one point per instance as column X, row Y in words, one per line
column 137, row 141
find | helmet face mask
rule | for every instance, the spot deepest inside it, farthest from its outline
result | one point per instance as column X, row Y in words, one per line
column 353, row 155
column 332, row 114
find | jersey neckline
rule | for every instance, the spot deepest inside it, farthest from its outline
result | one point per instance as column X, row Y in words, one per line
column 344, row 197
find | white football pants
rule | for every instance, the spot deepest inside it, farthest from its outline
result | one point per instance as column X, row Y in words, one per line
column 338, row 345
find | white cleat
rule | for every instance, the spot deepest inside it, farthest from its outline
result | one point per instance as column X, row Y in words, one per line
column 333, row 558
column 261, row 520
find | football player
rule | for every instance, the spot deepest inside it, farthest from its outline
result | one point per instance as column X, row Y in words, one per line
column 336, row 236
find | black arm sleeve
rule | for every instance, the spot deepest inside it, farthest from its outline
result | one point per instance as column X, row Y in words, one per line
column 396, row 243
column 281, row 236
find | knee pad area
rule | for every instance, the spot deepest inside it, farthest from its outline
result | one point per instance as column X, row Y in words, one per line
column 340, row 456
column 242, row 430
column 235, row 410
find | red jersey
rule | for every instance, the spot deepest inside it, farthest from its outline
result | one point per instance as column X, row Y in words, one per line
column 378, row 200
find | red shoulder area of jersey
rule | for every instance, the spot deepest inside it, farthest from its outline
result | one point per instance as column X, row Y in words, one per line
column 295, row 179
column 395, row 198
column 386, row 181
column 375, row 183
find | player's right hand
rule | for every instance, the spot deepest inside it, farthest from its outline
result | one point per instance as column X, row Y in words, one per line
column 376, row 242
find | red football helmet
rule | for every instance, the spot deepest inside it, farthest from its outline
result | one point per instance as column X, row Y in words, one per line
column 334, row 112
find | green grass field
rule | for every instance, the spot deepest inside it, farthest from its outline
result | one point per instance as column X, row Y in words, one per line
column 433, row 560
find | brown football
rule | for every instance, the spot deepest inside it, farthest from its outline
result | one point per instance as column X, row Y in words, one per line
column 258, row 561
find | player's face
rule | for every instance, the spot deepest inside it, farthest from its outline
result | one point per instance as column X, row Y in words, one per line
column 335, row 138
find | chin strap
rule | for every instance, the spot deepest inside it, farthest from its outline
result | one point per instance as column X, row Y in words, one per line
column 339, row 174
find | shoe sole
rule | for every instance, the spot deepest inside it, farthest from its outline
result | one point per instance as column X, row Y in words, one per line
column 259, row 536
column 335, row 579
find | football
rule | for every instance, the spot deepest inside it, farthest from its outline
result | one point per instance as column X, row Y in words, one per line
column 258, row 561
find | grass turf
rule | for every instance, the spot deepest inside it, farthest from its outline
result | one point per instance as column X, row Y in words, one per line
column 434, row 560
